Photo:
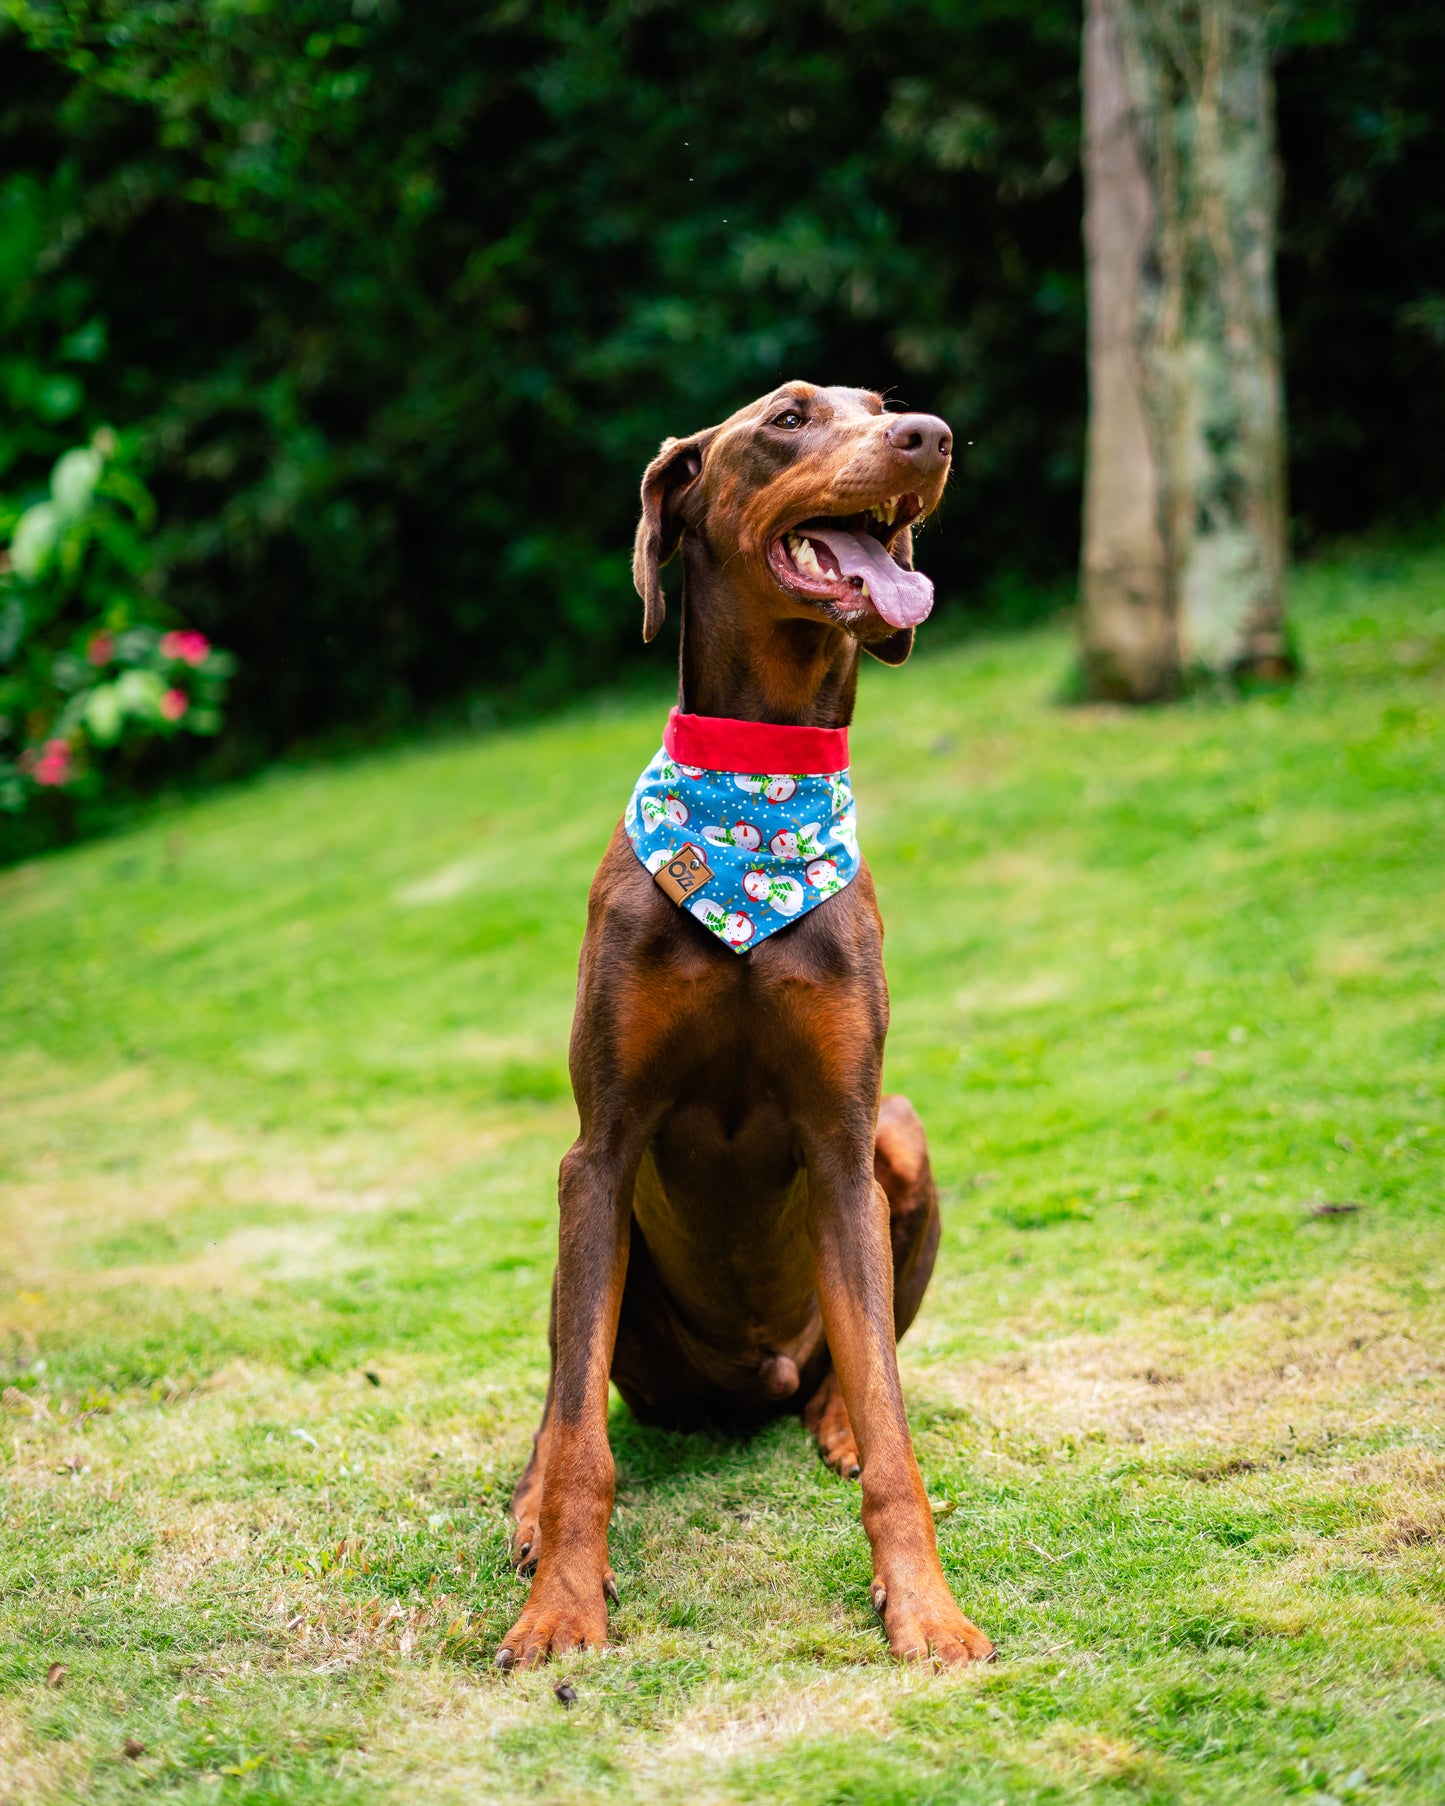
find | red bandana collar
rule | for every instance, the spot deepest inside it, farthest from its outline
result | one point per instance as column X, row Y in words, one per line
column 717, row 743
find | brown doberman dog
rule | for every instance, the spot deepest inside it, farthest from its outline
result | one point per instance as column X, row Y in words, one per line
column 744, row 1225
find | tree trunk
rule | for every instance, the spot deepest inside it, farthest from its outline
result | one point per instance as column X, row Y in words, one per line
column 1184, row 496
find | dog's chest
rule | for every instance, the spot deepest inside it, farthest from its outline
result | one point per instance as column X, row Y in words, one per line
column 725, row 1223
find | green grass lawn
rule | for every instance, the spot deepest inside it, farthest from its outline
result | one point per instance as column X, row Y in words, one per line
column 282, row 1095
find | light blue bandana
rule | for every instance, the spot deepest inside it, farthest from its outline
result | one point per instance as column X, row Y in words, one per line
column 776, row 844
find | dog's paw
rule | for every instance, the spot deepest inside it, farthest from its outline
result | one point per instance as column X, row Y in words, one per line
column 930, row 1629
column 526, row 1540
column 555, row 1621
column 827, row 1417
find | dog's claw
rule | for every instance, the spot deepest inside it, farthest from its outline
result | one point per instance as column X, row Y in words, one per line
column 609, row 1587
column 880, row 1597
column 526, row 1546
column 504, row 1658
column 940, row 1637
column 852, row 1471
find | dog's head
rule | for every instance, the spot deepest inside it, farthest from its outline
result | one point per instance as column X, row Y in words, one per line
column 807, row 499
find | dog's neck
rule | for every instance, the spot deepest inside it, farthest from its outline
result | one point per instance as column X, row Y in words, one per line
column 740, row 660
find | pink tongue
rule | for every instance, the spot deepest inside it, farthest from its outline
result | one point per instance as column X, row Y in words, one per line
column 903, row 598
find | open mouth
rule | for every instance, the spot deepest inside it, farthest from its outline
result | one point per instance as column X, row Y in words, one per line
column 846, row 562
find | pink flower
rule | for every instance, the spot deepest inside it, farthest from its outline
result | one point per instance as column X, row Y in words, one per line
column 101, row 649
column 191, row 647
column 174, row 704
column 53, row 765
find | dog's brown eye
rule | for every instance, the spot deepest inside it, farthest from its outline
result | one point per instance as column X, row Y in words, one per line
column 790, row 418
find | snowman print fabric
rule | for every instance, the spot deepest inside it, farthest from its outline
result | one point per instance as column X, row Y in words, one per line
column 777, row 843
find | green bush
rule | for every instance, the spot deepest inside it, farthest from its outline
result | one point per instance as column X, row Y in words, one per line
column 401, row 298
column 406, row 297
column 91, row 674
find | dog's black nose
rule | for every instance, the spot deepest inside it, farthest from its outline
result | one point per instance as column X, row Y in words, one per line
column 923, row 439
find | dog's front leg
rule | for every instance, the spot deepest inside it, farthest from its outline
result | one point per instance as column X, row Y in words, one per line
column 567, row 1606
column 853, row 1267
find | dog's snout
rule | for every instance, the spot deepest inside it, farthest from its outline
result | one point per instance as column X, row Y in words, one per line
column 923, row 439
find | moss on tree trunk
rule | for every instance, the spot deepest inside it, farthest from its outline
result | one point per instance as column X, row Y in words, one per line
column 1184, row 508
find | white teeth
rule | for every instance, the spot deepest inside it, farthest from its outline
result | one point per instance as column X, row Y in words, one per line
column 805, row 557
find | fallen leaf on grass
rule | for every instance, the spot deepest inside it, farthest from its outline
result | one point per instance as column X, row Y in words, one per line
column 133, row 1747
column 1330, row 1207
column 566, row 1693
column 55, row 1674
column 375, row 1378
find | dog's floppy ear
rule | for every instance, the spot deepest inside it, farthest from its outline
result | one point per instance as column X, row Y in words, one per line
column 897, row 646
column 659, row 532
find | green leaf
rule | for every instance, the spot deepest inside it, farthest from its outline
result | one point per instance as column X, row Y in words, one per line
column 104, row 714
column 35, row 535
column 73, row 481
column 140, row 694
column 86, row 345
column 57, row 396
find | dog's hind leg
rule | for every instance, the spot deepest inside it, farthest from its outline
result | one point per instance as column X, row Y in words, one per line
column 900, row 1161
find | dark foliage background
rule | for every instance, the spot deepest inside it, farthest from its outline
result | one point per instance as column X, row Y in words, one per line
column 403, row 298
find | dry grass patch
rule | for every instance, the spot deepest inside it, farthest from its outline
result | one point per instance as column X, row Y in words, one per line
column 1329, row 1362
column 1185, row 1439
column 34, row 1774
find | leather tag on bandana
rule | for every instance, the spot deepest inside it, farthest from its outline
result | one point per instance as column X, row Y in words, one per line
column 683, row 874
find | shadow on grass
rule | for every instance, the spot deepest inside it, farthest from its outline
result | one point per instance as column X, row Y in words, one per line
column 721, row 1527
column 650, row 1457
